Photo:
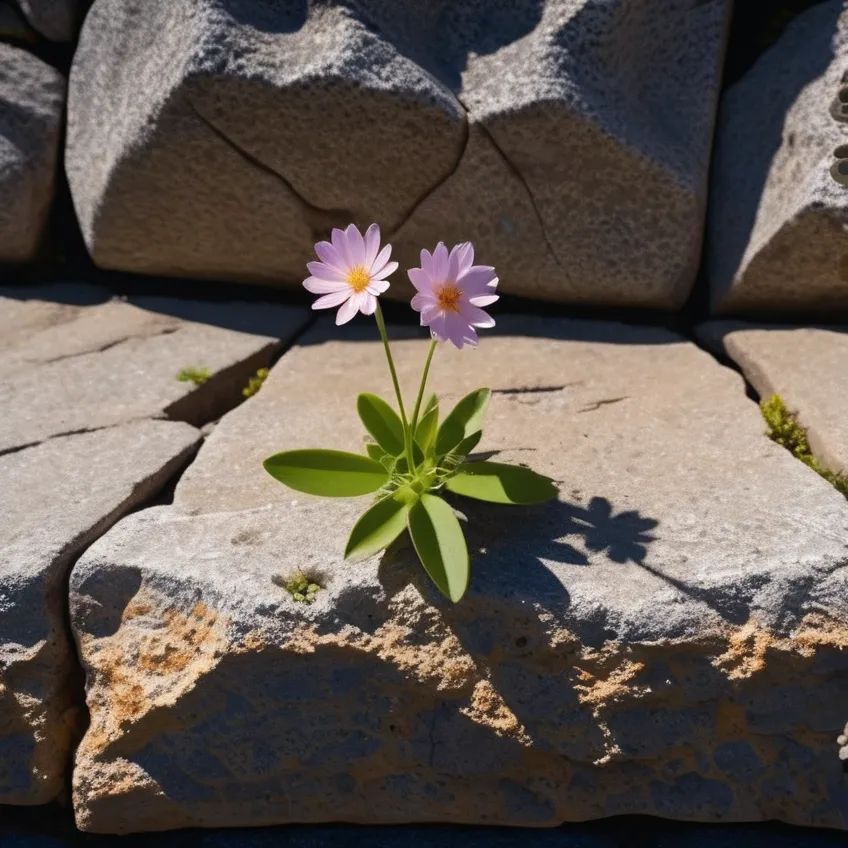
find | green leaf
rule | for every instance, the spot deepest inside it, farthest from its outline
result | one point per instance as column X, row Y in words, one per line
column 377, row 529
column 465, row 419
column 499, row 483
column 382, row 422
column 328, row 473
column 440, row 545
column 425, row 432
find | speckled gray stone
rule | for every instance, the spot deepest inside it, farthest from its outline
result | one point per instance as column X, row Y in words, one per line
column 56, row 498
column 32, row 96
column 806, row 366
column 569, row 139
column 667, row 638
column 54, row 19
column 777, row 231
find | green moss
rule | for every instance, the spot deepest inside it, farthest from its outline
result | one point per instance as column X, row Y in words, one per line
column 302, row 588
column 783, row 428
column 255, row 383
column 198, row 376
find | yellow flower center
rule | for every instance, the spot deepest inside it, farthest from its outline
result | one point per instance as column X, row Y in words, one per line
column 358, row 278
column 448, row 296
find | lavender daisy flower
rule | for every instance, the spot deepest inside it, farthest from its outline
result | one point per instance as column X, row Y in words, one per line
column 352, row 272
column 451, row 292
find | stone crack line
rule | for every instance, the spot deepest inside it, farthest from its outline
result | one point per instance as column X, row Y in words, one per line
column 165, row 331
column 592, row 407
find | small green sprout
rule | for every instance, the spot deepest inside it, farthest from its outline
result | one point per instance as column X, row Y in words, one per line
column 299, row 586
column 255, row 383
column 198, row 376
column 783, row 428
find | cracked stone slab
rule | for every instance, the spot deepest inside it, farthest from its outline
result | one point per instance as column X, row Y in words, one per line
column 81, row 368
column 444, row 121
column 56, row 498
column 668, row 638
column 32, row 99
column 777, row 230
column 806, row 366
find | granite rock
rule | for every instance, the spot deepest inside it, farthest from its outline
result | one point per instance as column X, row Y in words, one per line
column 806, row 366
column 32, row 97
column 667, row 638
column 777, row 236
column 55, row 499
column 561, row 136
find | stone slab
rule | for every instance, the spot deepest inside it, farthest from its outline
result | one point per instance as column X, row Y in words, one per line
column 806, row 366
column 777, row 237
column 81, row 368
column 667, row 638
column 55, row 499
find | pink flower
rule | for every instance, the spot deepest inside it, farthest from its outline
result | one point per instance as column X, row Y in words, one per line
column 451, row 290
column 351, row 273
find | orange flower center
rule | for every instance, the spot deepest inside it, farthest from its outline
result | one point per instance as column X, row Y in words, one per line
column 358, row 278
column 448, row 296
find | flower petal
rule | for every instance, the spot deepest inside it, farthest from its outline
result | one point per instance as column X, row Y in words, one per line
column 466, row 256
column 387, row 270
column 380, row 261
column 367, row 303
column 318, row 286
column 340, row 244
column 378, row 286
column 437, row 325
column 326, row 272
column 440, row 263
column 355, row 245
column 475, row 316
column 332, row 299
column 348, row 309
column 483, row 299
column 477, row 279
column 372, row 245
column 423, row 300
column 427, row 264
column 453, row 263
column 419, row 278
column 330, row 256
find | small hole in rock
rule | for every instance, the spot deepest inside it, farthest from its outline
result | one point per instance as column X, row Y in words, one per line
column 841, row 152
column 843, row 94
column 521, row 642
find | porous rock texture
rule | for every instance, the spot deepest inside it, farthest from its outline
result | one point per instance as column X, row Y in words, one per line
column 777, row 235
column 806, row 366
column 569, row 139
column 32, row 96
column 54, row 19
column 81, row 377
column 667, row 638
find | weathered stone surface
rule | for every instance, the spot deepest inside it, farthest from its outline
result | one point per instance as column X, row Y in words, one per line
column 668, row 638
column 117, row 361
column 806, row 366
column 777, row 230
column 55, row 499
column 32, row 96
column 444, row 120
column 54, row 19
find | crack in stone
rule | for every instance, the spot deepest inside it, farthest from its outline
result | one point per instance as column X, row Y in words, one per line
column 537, row 390
column 318, row 219
column 166, row 331
column 606, row 402
column 19, row 448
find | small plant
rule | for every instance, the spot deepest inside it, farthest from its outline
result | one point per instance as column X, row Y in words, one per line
column 255, row 383
column 299, row 586
column 783, row 428
column 412, row 460
column 198, row 376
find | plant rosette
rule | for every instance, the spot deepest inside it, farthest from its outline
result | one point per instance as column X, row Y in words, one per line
column 412, row 460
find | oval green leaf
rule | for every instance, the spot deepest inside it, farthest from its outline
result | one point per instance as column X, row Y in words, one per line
column 465, row 419
column 382, row 422
column 377, row 529
column 496, row 482
column 327, row 473
column 425, row 432
column 440, row 545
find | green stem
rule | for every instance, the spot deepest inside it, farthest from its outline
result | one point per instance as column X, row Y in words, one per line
column 407, row 436
column 423, row 384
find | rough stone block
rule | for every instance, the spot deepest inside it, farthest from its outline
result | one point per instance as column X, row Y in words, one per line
column 613, row 655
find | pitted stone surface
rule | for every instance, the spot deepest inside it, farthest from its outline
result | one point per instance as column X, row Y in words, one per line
column 561, row 136
column 55, row 499
column 806, row 366
column 32, row 97
column 54, row 19
column 83, row 367
column 777, row 231
column 668, row 638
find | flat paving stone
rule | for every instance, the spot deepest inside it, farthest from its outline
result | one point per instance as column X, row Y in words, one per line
column 806, row 366
column 668, row 638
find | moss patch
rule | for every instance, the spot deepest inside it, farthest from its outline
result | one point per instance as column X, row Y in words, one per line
column 783, row 428
column 299, row 586
column 255, row 383
column 198, row 376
